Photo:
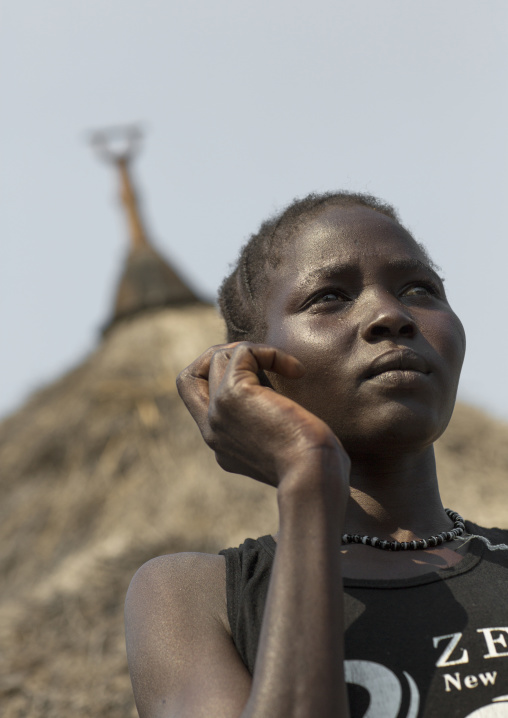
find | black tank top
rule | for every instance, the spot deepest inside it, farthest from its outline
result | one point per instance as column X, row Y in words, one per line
column 435, row 645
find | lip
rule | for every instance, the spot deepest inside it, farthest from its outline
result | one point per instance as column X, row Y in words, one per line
column 403, row 361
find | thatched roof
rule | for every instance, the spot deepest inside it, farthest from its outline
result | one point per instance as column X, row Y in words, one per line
column 101, row 471
column 104, row 469
column 148, row 280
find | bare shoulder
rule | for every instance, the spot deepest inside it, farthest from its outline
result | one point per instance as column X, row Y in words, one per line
column 180, row 651
column 184, row 582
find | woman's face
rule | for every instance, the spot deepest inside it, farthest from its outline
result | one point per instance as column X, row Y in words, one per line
column 355, row 300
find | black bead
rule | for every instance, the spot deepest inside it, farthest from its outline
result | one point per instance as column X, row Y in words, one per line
column 458, row 529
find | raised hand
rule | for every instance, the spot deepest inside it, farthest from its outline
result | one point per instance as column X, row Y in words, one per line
column 252, row 429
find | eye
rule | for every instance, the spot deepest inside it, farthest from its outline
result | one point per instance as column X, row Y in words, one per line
column 422, row 289
column 328, row 298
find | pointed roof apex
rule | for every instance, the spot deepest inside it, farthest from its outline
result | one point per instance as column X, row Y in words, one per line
column 148, row 281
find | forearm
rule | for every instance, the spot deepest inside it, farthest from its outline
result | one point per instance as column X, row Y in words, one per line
column 299, row 669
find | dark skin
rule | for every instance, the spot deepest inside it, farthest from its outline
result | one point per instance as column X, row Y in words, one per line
column 364, row 353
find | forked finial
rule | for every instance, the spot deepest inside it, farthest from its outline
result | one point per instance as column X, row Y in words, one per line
column 117, row 144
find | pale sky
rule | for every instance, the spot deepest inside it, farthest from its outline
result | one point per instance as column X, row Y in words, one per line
column 245, row 105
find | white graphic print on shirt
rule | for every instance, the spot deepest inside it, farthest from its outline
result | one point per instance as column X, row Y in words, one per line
column 385, row 690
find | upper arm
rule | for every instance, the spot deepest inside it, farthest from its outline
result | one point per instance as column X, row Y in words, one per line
column 182, row 659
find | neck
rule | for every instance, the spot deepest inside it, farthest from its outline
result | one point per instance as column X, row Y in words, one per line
column 395, row 497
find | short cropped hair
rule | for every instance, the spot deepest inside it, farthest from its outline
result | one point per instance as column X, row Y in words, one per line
column 241, row 294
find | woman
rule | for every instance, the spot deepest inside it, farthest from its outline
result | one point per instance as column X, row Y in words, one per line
column 341, row 371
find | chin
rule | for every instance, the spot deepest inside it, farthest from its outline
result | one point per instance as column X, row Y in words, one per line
column 394, row 427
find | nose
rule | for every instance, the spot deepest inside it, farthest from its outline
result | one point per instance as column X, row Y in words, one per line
column 388, row 318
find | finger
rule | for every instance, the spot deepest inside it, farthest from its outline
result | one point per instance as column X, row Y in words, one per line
column 193, row 384
column 248, row 359
column 218, row 366
column 193, row 391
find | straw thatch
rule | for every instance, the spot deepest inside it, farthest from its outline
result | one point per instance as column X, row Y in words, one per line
column 104, row 469
column 101, row 471
column 148, row 282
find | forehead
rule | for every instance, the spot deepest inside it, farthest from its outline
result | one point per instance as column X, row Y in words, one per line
column 347, row 233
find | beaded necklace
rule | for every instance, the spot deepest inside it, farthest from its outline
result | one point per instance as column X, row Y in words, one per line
column 458, row 530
